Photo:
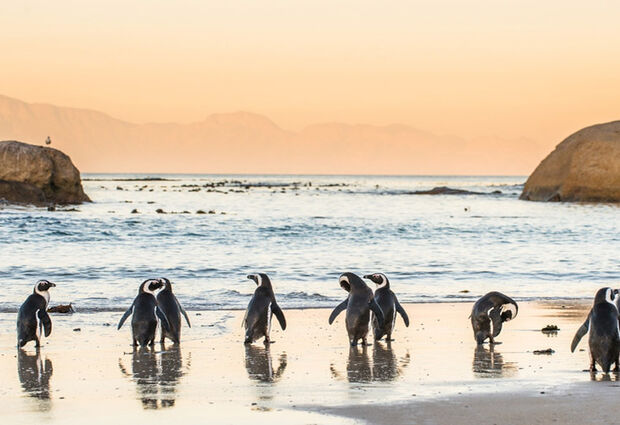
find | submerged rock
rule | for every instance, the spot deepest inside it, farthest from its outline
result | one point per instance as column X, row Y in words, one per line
column 585, row 167
column 66, row 309
column 38, row 175
column 443, row 190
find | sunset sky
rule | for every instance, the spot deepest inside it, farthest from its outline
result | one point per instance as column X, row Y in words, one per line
column 513, row 69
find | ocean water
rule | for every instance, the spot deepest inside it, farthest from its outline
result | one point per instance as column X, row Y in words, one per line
column 304, row 231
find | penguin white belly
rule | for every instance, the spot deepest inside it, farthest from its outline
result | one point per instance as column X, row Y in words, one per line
column 269, row 320
column 393, row 317
column 38, row 329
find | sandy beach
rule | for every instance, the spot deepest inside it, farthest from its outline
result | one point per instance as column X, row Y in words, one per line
column 431, row 374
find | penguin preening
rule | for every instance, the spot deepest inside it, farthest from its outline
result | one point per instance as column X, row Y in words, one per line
column 491, row 310
column 32, row 318
column 358, row 305
column 170, row 306
column 146, row 314
column 387, row 301
column 602, row 323
column 262, row 306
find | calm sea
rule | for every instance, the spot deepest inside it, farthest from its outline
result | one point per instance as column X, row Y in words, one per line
column 304, row 231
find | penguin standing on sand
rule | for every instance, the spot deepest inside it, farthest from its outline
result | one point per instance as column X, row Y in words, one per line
column 491, row 309
column 358, row 304
column 387, row 301
column 172, row 309
column 602, row 323
column 146, row 314
column 32, row 318
column 262, row 306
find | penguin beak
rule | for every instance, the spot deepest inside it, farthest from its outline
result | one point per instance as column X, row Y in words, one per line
column 52, row 285
column 368, row 276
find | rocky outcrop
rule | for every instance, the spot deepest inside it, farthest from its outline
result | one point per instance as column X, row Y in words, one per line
column 585, row 167
column 38, row 175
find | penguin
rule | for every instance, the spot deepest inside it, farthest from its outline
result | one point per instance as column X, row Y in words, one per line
column 146, row 314
column 386, row 299
column 358, row 305
column 262, row 306
column 602, row 323
column 170, row 306
column 32, row 318
column 492, row 308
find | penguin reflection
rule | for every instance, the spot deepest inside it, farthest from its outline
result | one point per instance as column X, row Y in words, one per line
column 156, row 381
column 489, row 363
column 34, row 376
column 385, row 366
column 259, row 365
column 358, row 365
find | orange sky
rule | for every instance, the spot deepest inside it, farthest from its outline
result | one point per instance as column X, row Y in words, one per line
column 531, row 69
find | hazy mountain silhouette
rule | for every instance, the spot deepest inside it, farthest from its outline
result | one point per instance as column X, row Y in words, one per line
column 244, row 142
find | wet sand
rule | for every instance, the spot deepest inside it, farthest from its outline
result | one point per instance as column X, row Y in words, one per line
column 432, row 373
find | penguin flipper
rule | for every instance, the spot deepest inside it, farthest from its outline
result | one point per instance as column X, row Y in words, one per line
column 163, row 319
column 46, row 322
column 275, row 309
column 377, row 310
column 496, row 319
column 583, row 329
column 184, row 314
column 125, row 316
column 401, row 311
column 338, row 310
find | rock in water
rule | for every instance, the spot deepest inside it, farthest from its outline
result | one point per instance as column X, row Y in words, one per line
column 38, row 175
column 585, row 167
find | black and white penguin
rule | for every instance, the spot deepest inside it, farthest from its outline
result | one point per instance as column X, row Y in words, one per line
column 602, row 323
column 262, row 306
column 358, row 304
column 146, row 314
column 172, row 309
column 386, row 299
column 32, row 318
column 491, row 309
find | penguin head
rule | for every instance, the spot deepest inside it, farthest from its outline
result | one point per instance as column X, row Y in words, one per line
column 43, row 286
column 350, row 281
column 606, row 295
column 261, row 279
column 506, row 315
column 165, row 283
column 150, row 286
column 378, row 279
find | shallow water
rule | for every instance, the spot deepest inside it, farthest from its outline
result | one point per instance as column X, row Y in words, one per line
column 304, row 231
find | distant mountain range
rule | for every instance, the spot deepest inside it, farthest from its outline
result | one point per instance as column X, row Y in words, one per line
column 244, row 142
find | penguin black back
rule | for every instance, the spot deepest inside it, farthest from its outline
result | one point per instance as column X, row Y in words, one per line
column 146, row 314
column 388, row 302
column 32, row 318
column 170, row 306
column 490, row 311
column 602, row 323
column 262, row 306
column 358, row 305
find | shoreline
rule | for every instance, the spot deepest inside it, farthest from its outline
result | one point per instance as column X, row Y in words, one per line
column 90, row 310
